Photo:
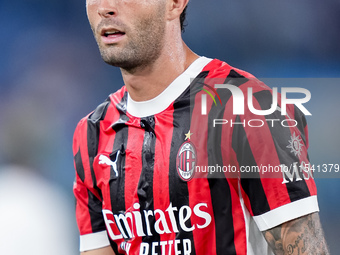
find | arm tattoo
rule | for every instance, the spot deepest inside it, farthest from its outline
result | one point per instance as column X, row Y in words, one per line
column 298, row 237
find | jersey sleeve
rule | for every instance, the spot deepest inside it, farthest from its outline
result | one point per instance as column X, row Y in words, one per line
column 89, row 216
column 277, row 184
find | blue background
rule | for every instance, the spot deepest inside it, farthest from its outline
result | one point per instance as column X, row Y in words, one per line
column 52, row 75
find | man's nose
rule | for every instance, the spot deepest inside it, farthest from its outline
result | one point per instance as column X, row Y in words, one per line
column 107, row 8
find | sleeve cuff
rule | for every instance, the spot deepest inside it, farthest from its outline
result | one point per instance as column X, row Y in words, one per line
column 286, row 213
column 94, row 241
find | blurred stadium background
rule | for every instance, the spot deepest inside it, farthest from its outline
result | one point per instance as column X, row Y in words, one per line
column 52, row 75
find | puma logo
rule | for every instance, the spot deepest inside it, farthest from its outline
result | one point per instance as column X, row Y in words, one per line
column 106, row 160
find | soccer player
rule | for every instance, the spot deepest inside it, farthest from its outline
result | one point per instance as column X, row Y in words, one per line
column 136, row 155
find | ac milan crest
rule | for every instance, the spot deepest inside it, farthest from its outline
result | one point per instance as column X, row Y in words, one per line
column 186, row 161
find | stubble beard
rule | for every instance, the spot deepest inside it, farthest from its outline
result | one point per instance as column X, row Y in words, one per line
column 144, row 45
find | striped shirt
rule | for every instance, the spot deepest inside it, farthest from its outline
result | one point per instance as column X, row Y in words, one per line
column 182, row 174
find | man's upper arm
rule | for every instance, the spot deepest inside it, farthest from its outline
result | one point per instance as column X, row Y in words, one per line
column 89, row 215
column 282, row 194
column 103, row 251
column 303, row 235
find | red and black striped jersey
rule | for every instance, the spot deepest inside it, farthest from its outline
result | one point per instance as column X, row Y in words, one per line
column 142, row 184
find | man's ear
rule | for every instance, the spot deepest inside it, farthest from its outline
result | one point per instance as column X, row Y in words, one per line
column 175, row 8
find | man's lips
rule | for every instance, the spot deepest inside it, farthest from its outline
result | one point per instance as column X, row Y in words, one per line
column 111, row 35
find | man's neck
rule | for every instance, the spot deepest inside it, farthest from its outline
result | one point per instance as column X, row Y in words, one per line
column 148, row 82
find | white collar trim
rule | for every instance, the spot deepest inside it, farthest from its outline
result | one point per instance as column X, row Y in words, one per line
column 170, row 94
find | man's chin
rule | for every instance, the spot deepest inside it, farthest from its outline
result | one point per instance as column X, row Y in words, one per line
column 109, row 57
column 121, row 63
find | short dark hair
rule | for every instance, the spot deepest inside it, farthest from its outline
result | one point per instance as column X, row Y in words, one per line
column 182, row 18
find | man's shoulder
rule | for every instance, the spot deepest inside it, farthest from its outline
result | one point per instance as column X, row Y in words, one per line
column 115, row 102
column 220, row 72
column 219, row 68
column 242, row 84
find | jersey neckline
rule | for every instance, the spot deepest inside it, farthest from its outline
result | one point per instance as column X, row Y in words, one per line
column 169, row 95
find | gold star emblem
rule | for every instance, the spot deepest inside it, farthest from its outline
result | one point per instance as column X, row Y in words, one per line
column 188, row 135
